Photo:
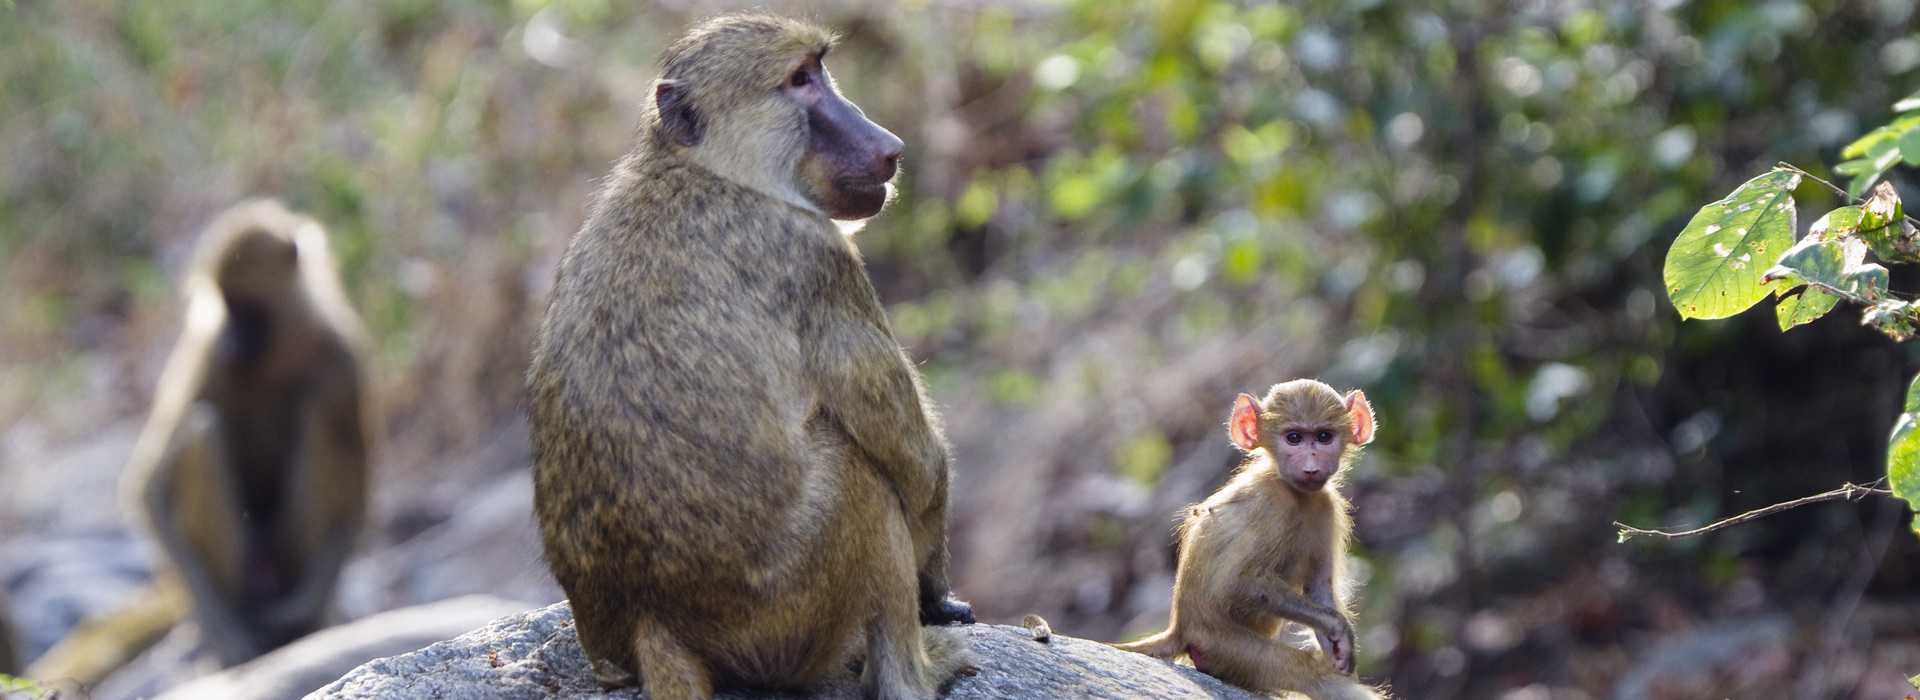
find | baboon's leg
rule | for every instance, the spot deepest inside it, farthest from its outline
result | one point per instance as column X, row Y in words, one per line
column 668, row 670
column 1257, row 663
column 896, row 667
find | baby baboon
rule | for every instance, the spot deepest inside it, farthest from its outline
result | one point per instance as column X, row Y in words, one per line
column 1268, row 548
column 252, row 470
column 737, row 474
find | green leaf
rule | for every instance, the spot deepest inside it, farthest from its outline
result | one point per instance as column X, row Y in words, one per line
column 1908, row 103
column 1838, row 266
column 1899, row 243
column 1861, row 145
column 1910, row 147
column 1804, row 308
column 1903, row 452
column 1839, row 223
column 1858, row 187
column 1857, row 166
column 1714, row 268
column 1882, row 224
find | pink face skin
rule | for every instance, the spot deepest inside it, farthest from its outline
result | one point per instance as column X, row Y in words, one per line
column 1306, row 454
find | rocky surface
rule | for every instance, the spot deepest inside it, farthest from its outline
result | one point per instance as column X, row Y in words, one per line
column 536, row 654
column 299, row 668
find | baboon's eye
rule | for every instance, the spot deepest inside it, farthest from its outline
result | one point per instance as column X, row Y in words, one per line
column 1294, row 437
column 800, row 78
column 1325, row 437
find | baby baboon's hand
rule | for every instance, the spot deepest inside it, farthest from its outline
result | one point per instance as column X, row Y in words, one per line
column 1339, row 647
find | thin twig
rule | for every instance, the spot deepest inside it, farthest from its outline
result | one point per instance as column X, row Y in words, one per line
column 1849, row 491
column 1844, row 196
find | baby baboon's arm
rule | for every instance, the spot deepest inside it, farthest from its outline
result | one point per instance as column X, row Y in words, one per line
column 1339, row 647
column 1327, row 622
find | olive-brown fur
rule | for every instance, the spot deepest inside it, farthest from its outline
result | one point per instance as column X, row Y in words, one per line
column 737, row 477
column 252, row 469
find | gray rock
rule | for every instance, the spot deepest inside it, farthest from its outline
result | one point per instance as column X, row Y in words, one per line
column 537, row 655
column 316, row 659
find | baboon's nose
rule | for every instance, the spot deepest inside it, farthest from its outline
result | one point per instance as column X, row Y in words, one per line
column 889, row 162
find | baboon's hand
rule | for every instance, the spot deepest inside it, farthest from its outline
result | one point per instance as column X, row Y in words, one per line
column 946, row 610
column 1339, row 646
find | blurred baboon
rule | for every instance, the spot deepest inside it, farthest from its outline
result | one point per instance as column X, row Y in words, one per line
column 252, row 469
column 737, row 473
column 1269, row 548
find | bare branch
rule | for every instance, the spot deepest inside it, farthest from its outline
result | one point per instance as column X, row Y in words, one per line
column 1844, row 196
column 1848, row 491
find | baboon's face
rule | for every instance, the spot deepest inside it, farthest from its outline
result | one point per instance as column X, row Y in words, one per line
column 257, row 263
column 849, row 160
column 748, row 96
column 1304, row 429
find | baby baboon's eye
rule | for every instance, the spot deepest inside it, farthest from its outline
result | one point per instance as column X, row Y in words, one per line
column 800, row 78
column 1294, row 437
column 1325, row 437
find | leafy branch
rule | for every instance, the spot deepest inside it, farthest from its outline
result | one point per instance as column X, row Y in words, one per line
column 1744, row 248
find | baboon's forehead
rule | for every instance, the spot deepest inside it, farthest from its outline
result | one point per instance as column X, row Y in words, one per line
column 256, row 245
column 742, row 51
column 1305, row 401
column 254, row 230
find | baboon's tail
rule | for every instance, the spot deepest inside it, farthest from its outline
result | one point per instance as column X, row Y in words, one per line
column 1038, row 628
column 100, row 646
column 1164, row 645
column 1346, row 688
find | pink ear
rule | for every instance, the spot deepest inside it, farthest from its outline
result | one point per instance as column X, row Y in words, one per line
column 1244, row 426
column 1362, row 414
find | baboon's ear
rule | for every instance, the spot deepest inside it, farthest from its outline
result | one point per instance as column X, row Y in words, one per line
column 1244, row 425
column 1360, row 412
column 679, row 121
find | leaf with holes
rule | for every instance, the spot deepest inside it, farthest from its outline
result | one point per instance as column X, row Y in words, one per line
column 1883, row 225
column 1839, row 223
column 1838, row 266
column 1714, row 268
column 1804, row 308
column 1882, row 207
column 1903, row 452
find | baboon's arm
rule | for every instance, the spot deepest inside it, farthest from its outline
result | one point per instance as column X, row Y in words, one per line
column 1283, row 601
column 1321, row 591
column 196, row 438
column 865, row 382
column 329, row 484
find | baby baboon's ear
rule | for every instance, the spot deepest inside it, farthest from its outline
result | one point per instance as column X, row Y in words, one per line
column 1244, row 426
column 679, row 122
column 1361, row 414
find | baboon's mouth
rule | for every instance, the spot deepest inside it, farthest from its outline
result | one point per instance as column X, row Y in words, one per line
column 862, row 186
column 857, row 198
column 1308, row 485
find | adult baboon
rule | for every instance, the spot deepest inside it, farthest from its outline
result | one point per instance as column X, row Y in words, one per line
column 737, row 474
column 252, row 470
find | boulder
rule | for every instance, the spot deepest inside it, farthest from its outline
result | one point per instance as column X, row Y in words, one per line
column 536, row 654
column 312, row 661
